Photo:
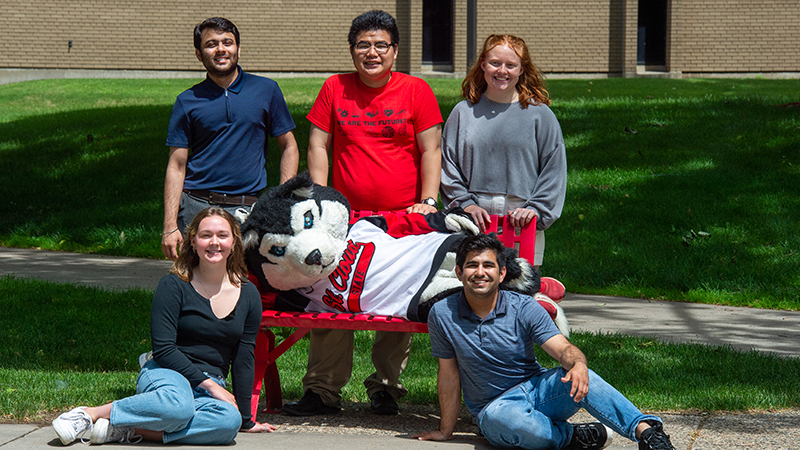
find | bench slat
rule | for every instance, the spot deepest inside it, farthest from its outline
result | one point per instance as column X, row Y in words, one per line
column 340, row 321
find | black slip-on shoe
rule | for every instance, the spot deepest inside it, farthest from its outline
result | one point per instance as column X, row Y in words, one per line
column 384, row 404
column 310, row 405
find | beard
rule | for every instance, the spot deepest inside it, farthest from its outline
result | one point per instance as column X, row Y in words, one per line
column 215, row 70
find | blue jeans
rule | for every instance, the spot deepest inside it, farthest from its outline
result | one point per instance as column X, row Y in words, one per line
column 165, row 401
column 533, row 415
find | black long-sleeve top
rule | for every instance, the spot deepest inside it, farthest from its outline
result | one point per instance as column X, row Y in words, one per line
column 188, row 338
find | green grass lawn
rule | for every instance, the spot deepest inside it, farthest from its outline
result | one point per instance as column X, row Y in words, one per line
column 699, row 200
column 65, row 346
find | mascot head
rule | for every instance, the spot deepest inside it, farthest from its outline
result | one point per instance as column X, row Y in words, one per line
column 296, row 233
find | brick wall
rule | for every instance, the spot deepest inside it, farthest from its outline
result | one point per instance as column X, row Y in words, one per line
column 582, row 36
column 277, row 35
column 735, row 36
column 564, row 36
column 460, row 36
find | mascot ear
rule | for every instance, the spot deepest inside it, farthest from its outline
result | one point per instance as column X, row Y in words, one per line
column 300, row 186
column 241, row 216
column 250, row 239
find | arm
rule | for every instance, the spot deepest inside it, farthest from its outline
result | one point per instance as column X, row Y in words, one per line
column 319, row 142
column 430, row 143
column 547, row 199
column 243, row 361
column 290, row 155
column 165, row 315
column 573, row 361
column 455, row 186
column 449, row 386
column 173, row 186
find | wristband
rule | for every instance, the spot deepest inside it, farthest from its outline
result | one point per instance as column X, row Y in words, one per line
column 169, row 232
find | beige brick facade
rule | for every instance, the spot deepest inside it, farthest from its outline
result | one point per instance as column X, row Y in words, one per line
column 735, row 36
column 565, row 36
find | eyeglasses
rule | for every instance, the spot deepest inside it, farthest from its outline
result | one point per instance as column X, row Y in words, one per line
column 381, row 48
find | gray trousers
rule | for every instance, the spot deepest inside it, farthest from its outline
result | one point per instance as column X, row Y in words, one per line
column 190, row 206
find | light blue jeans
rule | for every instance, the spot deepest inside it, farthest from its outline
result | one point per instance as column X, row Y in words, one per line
column 533, row 415
column 165, row 401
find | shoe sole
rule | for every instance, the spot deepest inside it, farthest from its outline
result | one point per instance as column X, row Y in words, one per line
column 609, row 437
column 556, row 291
column 63, row 432
column 99, row 429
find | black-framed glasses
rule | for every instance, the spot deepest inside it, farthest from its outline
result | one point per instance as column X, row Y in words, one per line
column 381, row 48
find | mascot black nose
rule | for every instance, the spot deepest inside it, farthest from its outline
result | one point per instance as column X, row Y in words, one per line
column 314, row 257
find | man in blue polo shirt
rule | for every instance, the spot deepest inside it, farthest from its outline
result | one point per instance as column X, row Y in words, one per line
column 484, row 339
column 218, row 136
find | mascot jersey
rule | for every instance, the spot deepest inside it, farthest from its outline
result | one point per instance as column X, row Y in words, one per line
column 378, row 273
column 376, row 159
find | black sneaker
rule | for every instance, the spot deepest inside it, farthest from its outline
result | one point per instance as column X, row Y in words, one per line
column 654, row 438
column 310, row 405
column 590, row 436
column 384, row 404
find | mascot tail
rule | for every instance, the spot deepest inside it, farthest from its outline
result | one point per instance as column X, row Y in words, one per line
column 555, row 311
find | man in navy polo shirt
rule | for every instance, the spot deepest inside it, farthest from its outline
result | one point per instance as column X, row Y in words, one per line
column 484, row 339
column 218, row 136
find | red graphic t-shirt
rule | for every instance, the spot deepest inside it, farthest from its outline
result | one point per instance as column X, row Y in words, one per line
column 376, row 159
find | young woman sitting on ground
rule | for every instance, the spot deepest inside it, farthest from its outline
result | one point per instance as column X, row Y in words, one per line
column 203, row 324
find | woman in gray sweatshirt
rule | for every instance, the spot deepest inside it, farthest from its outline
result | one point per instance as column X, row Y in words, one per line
column 502, row 147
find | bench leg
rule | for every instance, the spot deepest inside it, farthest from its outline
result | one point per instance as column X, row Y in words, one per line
column 266, row 375
column 272, row 382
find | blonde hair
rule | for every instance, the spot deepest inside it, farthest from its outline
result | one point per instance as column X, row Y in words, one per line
column 530, row 85
column 188, row 258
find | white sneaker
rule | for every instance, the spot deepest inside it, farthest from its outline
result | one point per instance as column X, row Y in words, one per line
column 103, row 433
column 71, row 424
column 144, row 357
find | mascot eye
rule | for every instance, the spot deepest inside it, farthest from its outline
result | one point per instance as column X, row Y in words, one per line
column 308, row 220
column 277, row 251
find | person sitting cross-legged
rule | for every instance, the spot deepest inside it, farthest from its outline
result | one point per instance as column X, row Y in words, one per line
column 484, row 339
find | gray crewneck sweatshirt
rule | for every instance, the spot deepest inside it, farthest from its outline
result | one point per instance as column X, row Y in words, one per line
column 504, row 149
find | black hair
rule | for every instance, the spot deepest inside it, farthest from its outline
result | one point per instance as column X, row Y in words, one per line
column 372, row 21
column 217, row 23
column 479, row 243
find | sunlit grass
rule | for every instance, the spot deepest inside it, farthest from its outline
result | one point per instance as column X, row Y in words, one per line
column 65, row 346
column 677, row 189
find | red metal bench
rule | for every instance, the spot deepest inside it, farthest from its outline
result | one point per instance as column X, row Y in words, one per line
column 267, row 352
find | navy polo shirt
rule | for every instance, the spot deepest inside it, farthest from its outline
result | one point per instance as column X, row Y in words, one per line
column 493, row 354
column 226, row 132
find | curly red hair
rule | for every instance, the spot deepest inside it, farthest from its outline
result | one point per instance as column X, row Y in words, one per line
column 531, row 81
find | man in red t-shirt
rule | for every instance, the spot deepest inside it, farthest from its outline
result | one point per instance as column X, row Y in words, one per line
column 384, row 131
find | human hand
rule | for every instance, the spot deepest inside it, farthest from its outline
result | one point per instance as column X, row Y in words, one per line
column 579, row 376
column 218, row 392
column 480, row 216
column 522, row 216
column 170, row 242
column 422, row 208
column 435, row 435
column 261, row 428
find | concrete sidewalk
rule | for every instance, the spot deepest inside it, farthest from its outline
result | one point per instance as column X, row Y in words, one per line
column 762, row 431
column 767, row 331
column 741, row 328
